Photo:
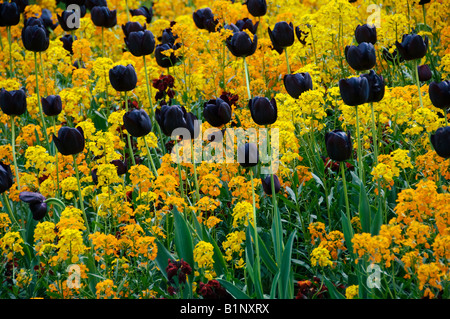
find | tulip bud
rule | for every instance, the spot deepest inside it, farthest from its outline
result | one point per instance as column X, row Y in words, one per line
column 140, row 43
column 248, row 155
column 163, row 60
column 123, row 78
column 51, row 105
column 217, row 112
column 204, row 19
column 440, row 94
column 441, row 141
column 103, row 17
column 9, row 14
column 256, row 8
column 13, row 102
column 282, row 35
column 413, row 46
column 143, row 11
column 354, row 91
column 240, row 44
column 34, row 35
column 297, row 83
column 266, row 183
column 6, row 177
column 361, row 57
column 339, row 145
column 366, row 33
column 376, row 86
column 137, row 122
column 424, row 72
column 263, row 110
column 36, row 202
column 70, row 141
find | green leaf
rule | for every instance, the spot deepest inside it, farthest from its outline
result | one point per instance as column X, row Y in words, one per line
column 183, row 239
column 266, row 257
column 364, row 209
column 233, row 290
column 285, row 269
column 377, row 221
column 334, row 293
column 162, row 257
column 348, row 232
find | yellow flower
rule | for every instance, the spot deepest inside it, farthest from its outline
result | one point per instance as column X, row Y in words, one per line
column 321, row 256
column 352, row 292
column 203, row 254
column 11, row 243
column 242, row 214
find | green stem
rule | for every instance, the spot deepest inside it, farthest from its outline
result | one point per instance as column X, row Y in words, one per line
column 128, row 134
column 257, row 260
column 103, row 43
column 80, row 193
column 10, row 53
column 8, row 207
column 43, row 73
column 247, row 80
column 13, row 146
column 179, row 171
column 416, row 67
column 44, row 126
column 359, row 151
column 56, row 160
column 197, row 190
column 374, row 134
column 150, row 158
column 347, row 206
column 287, row 61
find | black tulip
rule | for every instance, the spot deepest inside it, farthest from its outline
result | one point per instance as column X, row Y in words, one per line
column 6, row 177
column 424, row 72
column 204, row 19
column 70, row 141
column 167, row 37
column 36, row 202
column 131, row 26
column 9, row 14
column 248, row 155
column 366, row 33
column 95, row 3
column 413, row 46
column 140, row 43
column 376, row 86
column 77, row 2
column 13, row 102
column 137, row 122
column 121, row 166
column 67, row 41
column 361, row 57
column 123, row 78
column 297, row 83
column 171, row 117
column 163, row 60
column 339, row 145
column 441, row 141
column 63, row 18
column 354, row 91
column 143, row 11
column 301, row 35
column 263, row 110
column 51, row 105
column 440, row 94
column 282, row 35
column 266, row 183
column 217, row 112
column 34, row 35
column 46, row 17
column 21, row 5
column 256, row 8
column 103, row 17
column 241, row 45
column 247, row 24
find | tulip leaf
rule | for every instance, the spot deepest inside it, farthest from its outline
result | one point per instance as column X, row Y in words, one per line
column 286, row 269
column 334, row 293
column 162, row 257
column 364, row 209
column 376, row 222
column 183, row 239
column 233, row 290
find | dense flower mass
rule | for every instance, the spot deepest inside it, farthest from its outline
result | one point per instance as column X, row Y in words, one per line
column 219, row 149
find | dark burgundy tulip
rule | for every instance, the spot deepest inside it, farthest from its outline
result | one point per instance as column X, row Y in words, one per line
column 9, row 14
column 171, row 117
column 392, row 57
column 263, row 110
column 123, row 78
column 301, row 35
column 70, row 141
column 21, row 5
column 67, row 41
column 13, row 102
column 140, row 43
column 241, row 45
column 282, row 35
column 51, row 105
column 103, row 17
column 247, row 24
column 131, row 26
column 46, row 17
column 256, row 8
column 339, row 145
column 121, row 166
column 266, row 183
column 6, row 177
column 354, row 91
column 248, row 155
column 63, row 18
column 204, row 19
column 143, row 11
column 424, row 72
column 441, row 141
column 36, row 202
column 167, row 37
column 95, row 3
column 217, row 112
column 413, row 46
column 440, row 94
column 163, row 60
column 376, row 86
column 137, row 122
column 366, row 33
column 361, row 57
column 34, row 35
column 297, row 83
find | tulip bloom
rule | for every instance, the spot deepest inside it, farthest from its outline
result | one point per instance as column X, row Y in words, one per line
column 9, row 14
column 441, row 141
column 354, row 91
column 217, row 112
column 6, row 177
column 36, row 202
column 424, row 72
column 241, row 45
column 51, row 105
column 263, row 110
column 137, row 122
column 413, row 46
column 103, row 17
column 440, row 94
column 282, row 35
column 123, row 78
column 339, row 145
column 204, row 19
column 361, row 57
column 297, row 83
column 247, row 23
column 13, row 102
column 248, row 155
column 163, row 60
column 266, row 183
column 63, row 18
column 140, row 43
column 70, row 141
column 366, row 33
column 143, row 11
column 34, row 35
column 172, row 117
column 376, row 86
column 256, row 8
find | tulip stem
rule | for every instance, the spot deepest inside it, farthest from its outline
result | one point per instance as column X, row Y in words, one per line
column 80, row 194
column 128, row 134
column 179, row 171
column 43, row 73
column 287, row 61
column 44, row 126
column 360, row 161
column 416, row 67
column 8, row 207
column 13, row 146
column 344, row 182
column 103, row 43
column 197, row 190
column 374, row 135
column 150, row 157
column 257, row 260
column 247, row 80
column 10, row 53
column 56, row 160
